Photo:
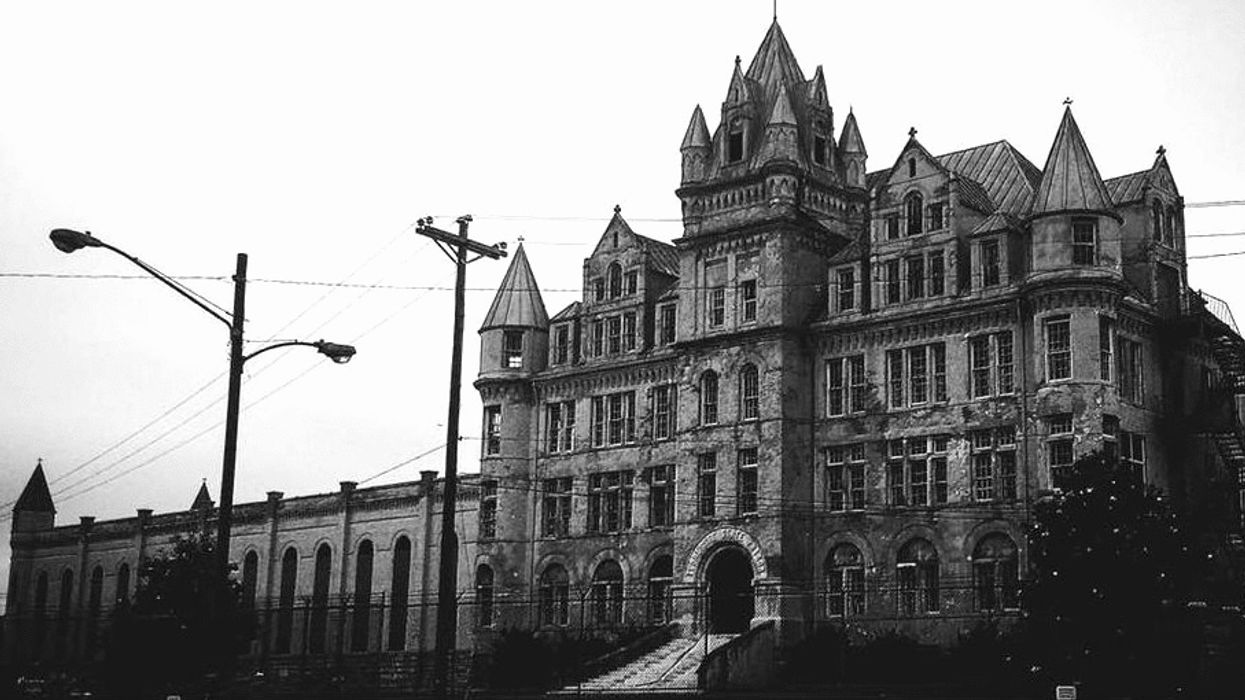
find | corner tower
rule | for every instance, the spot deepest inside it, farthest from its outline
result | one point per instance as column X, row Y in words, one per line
column 33, row 513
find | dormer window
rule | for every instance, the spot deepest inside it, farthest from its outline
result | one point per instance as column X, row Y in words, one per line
column 735, row 145
column 819, row 149
column 512, row 350
column 1084, row 241
column 914, row 206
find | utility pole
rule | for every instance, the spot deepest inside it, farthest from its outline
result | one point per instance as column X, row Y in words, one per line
column 224, row 517
column 456, row 247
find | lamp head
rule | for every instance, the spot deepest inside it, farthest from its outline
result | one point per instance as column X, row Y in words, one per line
column 336, row 352
column 68, row 240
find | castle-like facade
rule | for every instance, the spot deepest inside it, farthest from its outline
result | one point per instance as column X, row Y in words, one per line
column 839, row 394
column 835, row 399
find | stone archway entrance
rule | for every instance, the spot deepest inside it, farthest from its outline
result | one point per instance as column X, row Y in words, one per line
column 730, row 596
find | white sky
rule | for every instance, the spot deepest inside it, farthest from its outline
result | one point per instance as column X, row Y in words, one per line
column 312, row 135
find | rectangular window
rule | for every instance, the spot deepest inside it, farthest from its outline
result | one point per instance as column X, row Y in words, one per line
column 715, row 282
column 991, row 369
column 1133, row 451
column 556, row 507
column 892, row 282
column 895, row 377
column 979, row 366
column 664, row 403
column 937, row 274
column 628, row 331
column 512, row 349
column 598, row 287
column 1130, row 369
column 707, row 484
column 1111, row 436
column 609, row 501
column 1084, row 242
column 598, row 337
column 492, row 430
column 598, row 421
column 488, row 509
column 916, row 470
column 892, row 227
column 734, row 146
column 666, row 336
column 631, row 282
column 661, row 495
column 561, row 344
column 748, row 300
column 750, row 394
column 1058, row 348
column 717, row 307
column 621, row 417
column 1004, row 362
column 935, row 216
column 1106, row 331
column 845, row 477
column 845, row 285
column 746, row 482
column 1059, row 447
column 993, row 458
column 916, row 277
column 560, row 419
column 989, row 263
column 845, row 385
column 613, row 326
column 917, row 375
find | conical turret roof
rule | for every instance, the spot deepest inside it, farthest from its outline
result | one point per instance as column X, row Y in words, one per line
column 850, row 141
column 518, row 302
column 1070, row 180
column 774, row 61
column 202, row 499
column 36, row 497
column 697, row 131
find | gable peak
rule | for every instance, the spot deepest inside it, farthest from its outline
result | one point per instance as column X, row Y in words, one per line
column 36, row 497
column 203, row 500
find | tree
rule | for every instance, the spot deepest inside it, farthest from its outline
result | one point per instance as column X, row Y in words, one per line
column 186, row 625
column 1111, row 568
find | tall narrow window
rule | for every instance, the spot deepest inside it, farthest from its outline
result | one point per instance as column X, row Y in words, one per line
column 918, row 578
column 484, row 595
column 95, row 599
column 556, row 507
column 400, row 589
column 285, row 601
column 937, row 274
column 749, row 393
column 1059, row 454
column 628, row 331
column 555, row 592
column 845, row 581
column 123, row 586
column 667, row 324
column 916, row 276
column 1156, row 221
column 487, row 513
column 1130, row 369
column 746, row 482
column 989, row 263
column 892, row 282
column 561, row 344
column 935, row 216
column 715, row 302
column 598, row 337
column 660, row 580
column 250, row 578
column 615, row 280
column 1169, row 226
column 892, row 227
column 845, row 283
column 709, row 398
column 734, row 145
column 819, row 149
column 1084, row 241
column 607, row 594
column 1058, row 348
column 845, row 477
column 512, row 349
column 613, row 331
column 320, row 599
column 996, row 574
column 993, row 458
column 664, row 402
column 631, row 282
column 914, row 207
column 492, row 430
column 979, row 366
column 660, row 495
column 560, row 422
column 748, row 300
column 707, row 484
column 717, row 307
column 1105, row 333
column 895, row 377
column 362, row 612
column 598, row 288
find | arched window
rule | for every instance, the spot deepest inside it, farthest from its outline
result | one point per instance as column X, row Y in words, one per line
column 484, row 595
column 918, row 578
column 41, row 593
column 915, row 208
column 362, row 622
column 607, row 594
column 400, row 589
column 749, row 393
column 1156, row 220
column 615, row 280
column 250, row 578
column 1169, row 226
column 95, row 601
column 660, row 576
column 123, row 584
column 320, row 598
column 845, row 581
column 709, row 398
column 285, row 601
column 66, row 591
column 555, row 592
column 996, row 573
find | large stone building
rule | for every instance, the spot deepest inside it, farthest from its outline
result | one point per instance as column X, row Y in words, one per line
column 835, row 399
column 838, row 395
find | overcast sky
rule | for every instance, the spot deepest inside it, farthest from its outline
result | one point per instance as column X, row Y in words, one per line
column 312, row 135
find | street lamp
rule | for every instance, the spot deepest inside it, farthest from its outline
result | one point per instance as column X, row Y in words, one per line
column 68, row 241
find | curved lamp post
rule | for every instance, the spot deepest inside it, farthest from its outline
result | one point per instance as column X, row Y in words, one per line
column 68, row 241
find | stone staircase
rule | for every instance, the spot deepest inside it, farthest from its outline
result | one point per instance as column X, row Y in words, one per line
column 668, row 669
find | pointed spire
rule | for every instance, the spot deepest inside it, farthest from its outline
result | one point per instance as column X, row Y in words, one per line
column 782, row 112
column 203, row 500
column 851, row 141
column 1070, row 180
column 36, row 497
column 817, row 94
column 774, row 61
column 739, row 90
column 518, row 303
column 697, row 135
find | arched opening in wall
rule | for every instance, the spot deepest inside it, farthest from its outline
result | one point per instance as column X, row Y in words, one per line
column 996, row 573
column 484, row 595
column 285, row 601
column 400, row 589
column 63, row 613
column 123, row 585
column 362, row 620
column 660, row 578
column 250, row 578
column 845, row 581
column 607, row 594
column 320, row 599
column 917, row 572
column 555, row 593
column 731, row 601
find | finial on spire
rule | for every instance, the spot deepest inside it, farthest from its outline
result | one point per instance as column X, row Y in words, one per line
column 39, row 462
column 1161, row 150
column 912, row 132
column 775, row 10
column 617, row 209
column 1067, row 101
column 737, row 60
column 522, row 238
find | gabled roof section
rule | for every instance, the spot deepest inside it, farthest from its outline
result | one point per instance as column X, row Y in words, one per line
column 739, row 91
column 697, row 131
column 518, row 303
column 1127, row 188
column 36, row 497
column 1070, row 180
column 849, row 253
column 203, row 500
column 1004, row 173
column 973, row 195
column 998, row 221
column 774, row 63
column 567, row 314
column 662, row 257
